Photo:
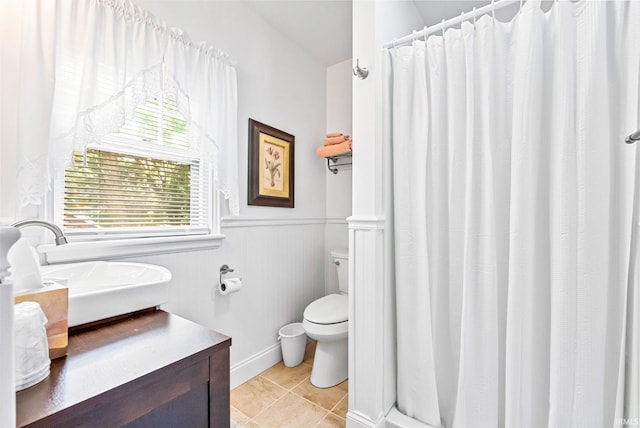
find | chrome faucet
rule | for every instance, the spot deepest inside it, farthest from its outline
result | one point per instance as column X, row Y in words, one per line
column 60, row 238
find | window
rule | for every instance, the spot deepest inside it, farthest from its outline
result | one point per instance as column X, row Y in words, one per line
column 144, row 180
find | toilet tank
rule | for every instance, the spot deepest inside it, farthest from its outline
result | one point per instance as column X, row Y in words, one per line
column 340, row 259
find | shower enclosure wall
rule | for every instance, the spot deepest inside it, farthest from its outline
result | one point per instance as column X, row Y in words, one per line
column 374, row 365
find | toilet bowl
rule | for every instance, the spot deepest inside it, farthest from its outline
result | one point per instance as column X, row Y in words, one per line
column 326, row 320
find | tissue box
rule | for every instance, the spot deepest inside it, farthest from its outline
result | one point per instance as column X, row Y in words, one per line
column 54, row 301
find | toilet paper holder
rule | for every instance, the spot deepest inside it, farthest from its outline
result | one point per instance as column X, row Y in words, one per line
column 224, row 269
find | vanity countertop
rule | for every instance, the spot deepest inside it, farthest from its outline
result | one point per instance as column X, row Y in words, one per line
column 126, row 369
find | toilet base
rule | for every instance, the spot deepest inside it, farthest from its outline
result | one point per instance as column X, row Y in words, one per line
column 330, row 363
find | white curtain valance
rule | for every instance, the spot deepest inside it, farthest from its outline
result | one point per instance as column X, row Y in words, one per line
column 87, row 65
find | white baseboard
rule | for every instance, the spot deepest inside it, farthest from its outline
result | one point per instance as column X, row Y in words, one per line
column 255, row 364
column 356, row 419
column 396, row 419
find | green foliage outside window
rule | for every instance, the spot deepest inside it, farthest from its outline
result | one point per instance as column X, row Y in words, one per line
column 110, row 189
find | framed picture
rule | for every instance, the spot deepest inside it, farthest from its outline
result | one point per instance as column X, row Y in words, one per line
column 271, row 172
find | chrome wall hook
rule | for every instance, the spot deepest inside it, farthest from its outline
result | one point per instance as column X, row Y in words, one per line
column 360, row 73
column 633, row 137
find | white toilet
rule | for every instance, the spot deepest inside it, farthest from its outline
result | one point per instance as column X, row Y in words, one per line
column 326, row 320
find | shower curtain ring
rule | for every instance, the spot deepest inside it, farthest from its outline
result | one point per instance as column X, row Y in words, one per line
column 474, row 17
column 424, row 30
column 493, row 9
column 442, row 24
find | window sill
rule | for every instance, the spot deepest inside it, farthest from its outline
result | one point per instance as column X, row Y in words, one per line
column 100, row 250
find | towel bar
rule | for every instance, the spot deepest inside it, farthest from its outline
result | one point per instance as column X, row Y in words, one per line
column 332, row 162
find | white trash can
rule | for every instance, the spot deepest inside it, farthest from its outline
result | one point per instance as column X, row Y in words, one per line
column 293, row 341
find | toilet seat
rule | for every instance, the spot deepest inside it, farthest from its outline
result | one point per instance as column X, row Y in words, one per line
column 326, row 332
column 331, row 309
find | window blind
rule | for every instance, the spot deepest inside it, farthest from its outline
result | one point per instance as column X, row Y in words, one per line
column 143, row 180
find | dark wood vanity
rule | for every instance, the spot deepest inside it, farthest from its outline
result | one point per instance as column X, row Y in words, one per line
column 151, row 369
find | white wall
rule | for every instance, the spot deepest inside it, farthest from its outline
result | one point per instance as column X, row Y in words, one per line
column 281, row 273
column 278, row 252
column 281, row 263
column 339, row 85
column 278, row 84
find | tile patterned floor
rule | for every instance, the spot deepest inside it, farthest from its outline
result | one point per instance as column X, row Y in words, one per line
column 282, row 397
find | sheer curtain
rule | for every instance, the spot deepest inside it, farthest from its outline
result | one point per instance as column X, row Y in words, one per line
column 516, row 283
column 89, row 63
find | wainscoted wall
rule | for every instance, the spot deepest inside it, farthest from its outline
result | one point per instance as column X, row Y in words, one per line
column 281, row 265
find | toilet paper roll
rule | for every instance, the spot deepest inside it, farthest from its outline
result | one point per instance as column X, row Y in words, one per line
column 230, row 286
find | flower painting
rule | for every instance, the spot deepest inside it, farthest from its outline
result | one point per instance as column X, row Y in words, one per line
column 273, row 156
column 270, row 166
column 273, row 164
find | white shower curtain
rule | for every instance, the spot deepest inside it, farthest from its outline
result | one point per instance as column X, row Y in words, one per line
column 516, row 284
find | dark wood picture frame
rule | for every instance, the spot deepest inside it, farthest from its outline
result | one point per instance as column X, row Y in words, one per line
column 271, row 166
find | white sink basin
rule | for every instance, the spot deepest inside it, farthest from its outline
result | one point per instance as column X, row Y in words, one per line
column 99, row 290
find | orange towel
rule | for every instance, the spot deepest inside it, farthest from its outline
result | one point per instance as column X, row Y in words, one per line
column 334, row 149
column 335, row 140
column 334, row 134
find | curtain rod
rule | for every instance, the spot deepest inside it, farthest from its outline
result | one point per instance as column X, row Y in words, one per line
column 495, row 5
